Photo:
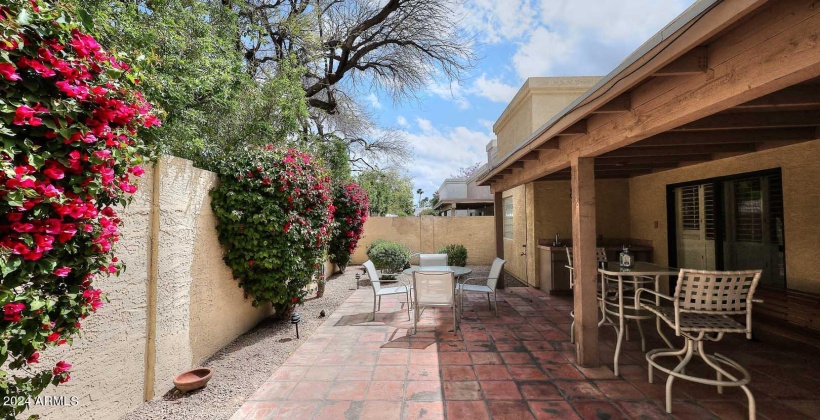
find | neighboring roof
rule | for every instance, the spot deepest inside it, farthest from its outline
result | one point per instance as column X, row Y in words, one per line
column 685, row 18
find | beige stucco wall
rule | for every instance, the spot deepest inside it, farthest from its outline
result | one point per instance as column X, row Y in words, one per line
column 800, row 165
column 538, row 100
column 200, row 309
column 425, row 234
column 543, row 208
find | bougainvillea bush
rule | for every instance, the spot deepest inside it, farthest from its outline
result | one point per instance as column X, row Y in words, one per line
column 274, row 211
column 352, row 207
column 69, row 114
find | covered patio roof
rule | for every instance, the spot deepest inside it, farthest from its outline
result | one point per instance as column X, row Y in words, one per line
column 725, row 78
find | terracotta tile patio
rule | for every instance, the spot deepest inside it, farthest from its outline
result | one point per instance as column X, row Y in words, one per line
column 517, row 366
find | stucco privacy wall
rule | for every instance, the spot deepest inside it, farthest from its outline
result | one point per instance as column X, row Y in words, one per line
column 199, row 307
column 426, row 233
column 800, row 165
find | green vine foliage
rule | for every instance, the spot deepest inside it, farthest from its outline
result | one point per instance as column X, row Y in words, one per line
column 274, row 211
column 352, row 207
column 69, row 152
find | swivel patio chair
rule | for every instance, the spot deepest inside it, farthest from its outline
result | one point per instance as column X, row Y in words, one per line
column 492, row 281
column 704, row 306
column 600, row 254
column 434, row 288
column 379, row 291
column 433, row 260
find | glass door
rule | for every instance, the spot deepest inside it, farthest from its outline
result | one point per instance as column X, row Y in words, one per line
column 753, row 225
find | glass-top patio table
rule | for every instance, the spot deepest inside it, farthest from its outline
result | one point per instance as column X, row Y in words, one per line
column 614, row 280
column 457, row 271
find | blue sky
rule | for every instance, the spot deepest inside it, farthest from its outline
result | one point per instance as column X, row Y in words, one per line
column 449, row 126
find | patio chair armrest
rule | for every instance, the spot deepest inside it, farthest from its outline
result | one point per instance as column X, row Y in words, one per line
column 465, row 280
column 643, row 289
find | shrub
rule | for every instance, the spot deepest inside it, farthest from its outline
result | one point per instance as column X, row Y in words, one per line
column 456, row 254
column 389, row 256
column 352, row 206
column 274, row 211
column 68, row 119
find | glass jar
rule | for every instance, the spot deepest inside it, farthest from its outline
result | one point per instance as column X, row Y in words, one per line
column 627, row 259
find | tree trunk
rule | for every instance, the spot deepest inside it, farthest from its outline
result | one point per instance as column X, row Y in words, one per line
column 283, row 310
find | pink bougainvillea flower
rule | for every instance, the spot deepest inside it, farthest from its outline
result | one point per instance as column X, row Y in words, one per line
column 62, row 271
column 137, row 170
column 11, row 311
column 54, row 172
column 9, row 73
column 61, row 367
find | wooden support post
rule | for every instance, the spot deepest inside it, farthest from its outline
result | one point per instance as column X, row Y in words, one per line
column 584, row 261
column 499, row 232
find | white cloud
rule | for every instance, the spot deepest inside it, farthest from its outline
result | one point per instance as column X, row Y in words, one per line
column 541, row 53
column 494, row 21
column 373, row 100
column 426, row 126
column 612, row 21
column 402, row 122
column 494, row 89
column 438, row 153
column 451, row 91
column 487, row 124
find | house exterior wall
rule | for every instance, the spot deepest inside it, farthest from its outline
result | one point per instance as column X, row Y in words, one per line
column 425, row 234
column 800, row 165
column 538, row 100
column 542, row 209
column 199, row 307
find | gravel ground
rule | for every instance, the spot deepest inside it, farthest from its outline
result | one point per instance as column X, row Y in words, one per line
column 241, row 367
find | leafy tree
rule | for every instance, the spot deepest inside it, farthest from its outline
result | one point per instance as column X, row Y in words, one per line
column 193, row 70
column 347, row 46
column 389, row 192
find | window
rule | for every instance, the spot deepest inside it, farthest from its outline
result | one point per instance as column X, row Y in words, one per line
column 748, row 210
column 508, row 217
column 709, row 210
column 690, row 207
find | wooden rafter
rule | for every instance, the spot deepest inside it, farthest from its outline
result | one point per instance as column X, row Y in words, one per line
column 695, row 61
column 748, row 120
column 621, row 103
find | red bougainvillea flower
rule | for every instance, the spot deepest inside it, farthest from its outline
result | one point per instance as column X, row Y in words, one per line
column 11, row 312
column 9, row 72
column 62, row 271
column 53, row 337
column 34, row 358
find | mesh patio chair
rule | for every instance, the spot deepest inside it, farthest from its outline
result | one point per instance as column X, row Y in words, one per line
column 705, row 305
column 433, row 260
column 492, row 281
column 434, row 288
column 600, row 254
column 379, row 291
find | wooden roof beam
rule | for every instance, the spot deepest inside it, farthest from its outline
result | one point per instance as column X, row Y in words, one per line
column 748, row 120
column 531, row 155
column 516, row 165
column 577, row 129
column 798, row 96
column 640, row 160
column 680, row 150
column 696, row 61
column 695, row 138
column 551, row 144
column 621, row 103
